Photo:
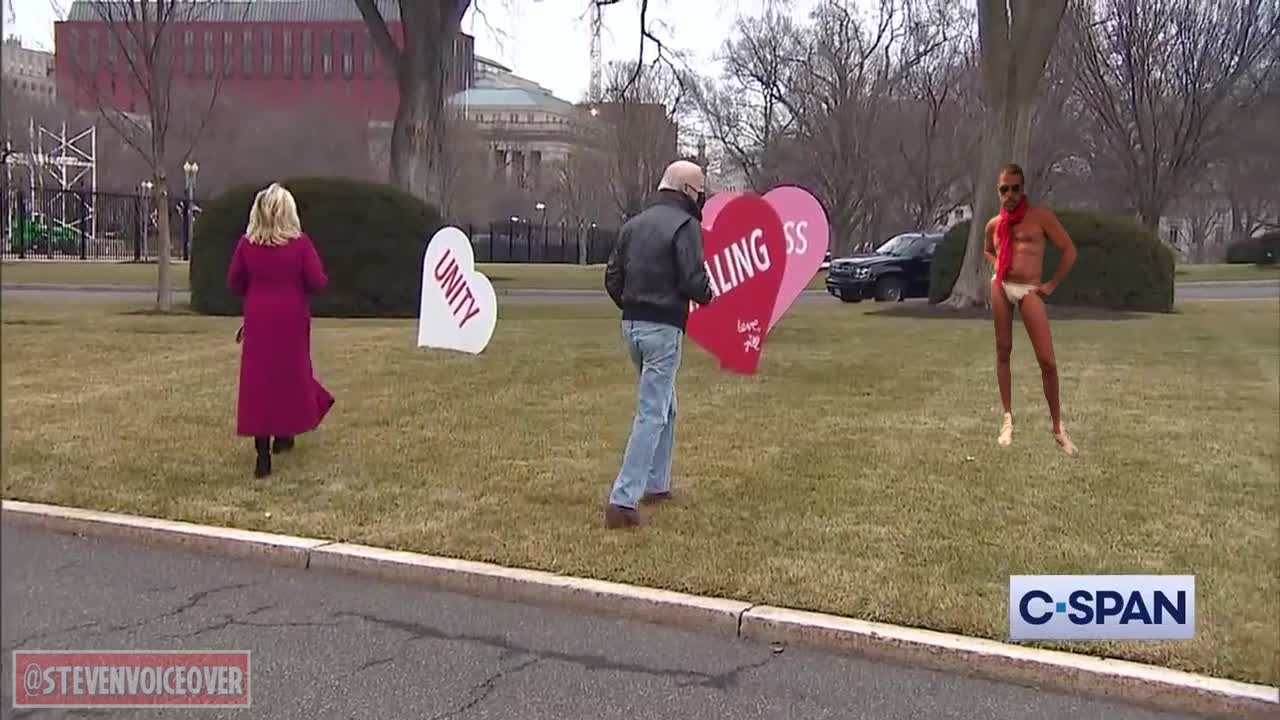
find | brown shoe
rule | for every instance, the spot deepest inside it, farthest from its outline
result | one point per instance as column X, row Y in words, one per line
column 619, row 517
column 655, row 497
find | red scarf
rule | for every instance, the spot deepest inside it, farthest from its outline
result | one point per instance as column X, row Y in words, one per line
column 1004, row 236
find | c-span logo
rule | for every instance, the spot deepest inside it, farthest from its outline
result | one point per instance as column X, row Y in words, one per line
column 1102, row 607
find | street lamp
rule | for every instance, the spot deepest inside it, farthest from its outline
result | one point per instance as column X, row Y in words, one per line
column 189, row 170
column 542, row 208
column 145, row 221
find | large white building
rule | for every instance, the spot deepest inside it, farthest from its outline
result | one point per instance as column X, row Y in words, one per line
column 28, row 72
column 524, row 125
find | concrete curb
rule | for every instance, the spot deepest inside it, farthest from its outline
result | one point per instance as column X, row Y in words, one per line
column 276, row 549
column 663, row 607
column 1046, row 669
column 1115, row 680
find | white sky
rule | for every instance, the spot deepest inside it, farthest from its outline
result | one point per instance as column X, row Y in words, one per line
column 547, row 41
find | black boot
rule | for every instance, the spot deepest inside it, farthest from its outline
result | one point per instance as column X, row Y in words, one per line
column 263, row 467
column 283, row 444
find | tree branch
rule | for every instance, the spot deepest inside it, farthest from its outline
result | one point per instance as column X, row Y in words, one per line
column 381, row 35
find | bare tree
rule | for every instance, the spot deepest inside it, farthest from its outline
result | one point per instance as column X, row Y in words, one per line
column 1058, row 130
column 1249, row 167
column 641, row 130
column 421, row 66
column 745, row 111
column 1163, row 80
column 139, row 49
column 1015, row 39
column 582, row 192
column 933, row 129
column 464, row 164
column 835, row 92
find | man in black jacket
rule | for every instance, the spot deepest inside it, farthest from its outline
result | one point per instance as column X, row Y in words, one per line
column 655, row 270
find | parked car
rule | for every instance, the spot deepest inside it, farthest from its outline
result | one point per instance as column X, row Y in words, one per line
column 897, row 270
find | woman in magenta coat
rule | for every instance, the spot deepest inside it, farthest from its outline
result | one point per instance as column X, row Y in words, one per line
column 275, row 268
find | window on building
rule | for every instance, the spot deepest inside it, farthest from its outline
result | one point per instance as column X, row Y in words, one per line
column 92, row 63
column 368, row 54
column 266, row 53
column 246, row 47
column 348, row 51
column 208, row 54
column 306, row 53
column 228, row 53
column 188, row 52
column 75, row 47
column 286, row 62
column 326, row 52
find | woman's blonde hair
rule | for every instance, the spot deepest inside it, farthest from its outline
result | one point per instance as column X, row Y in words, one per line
column 273, row 219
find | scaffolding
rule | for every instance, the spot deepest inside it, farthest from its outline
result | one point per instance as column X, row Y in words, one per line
column 57, row 161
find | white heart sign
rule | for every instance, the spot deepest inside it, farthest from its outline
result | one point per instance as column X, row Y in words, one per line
column 459, row 309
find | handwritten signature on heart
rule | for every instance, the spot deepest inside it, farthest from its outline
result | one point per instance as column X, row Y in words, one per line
column 752, row 330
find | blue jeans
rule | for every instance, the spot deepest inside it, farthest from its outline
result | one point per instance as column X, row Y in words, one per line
column 646, row 466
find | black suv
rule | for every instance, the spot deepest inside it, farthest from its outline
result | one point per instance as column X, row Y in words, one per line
column 897, row 270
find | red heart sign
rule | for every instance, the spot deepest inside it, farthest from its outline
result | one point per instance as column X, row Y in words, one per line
column 745, row 257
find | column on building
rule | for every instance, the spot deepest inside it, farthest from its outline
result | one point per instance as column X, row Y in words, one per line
column 518, row 168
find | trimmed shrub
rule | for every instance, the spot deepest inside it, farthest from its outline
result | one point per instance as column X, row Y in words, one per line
column 1119, row 264
column 371, row 238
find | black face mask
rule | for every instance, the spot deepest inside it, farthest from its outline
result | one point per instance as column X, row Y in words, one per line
column 701, row 200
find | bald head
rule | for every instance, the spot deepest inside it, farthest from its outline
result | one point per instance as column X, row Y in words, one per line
column 679, row 174
column 686, row 177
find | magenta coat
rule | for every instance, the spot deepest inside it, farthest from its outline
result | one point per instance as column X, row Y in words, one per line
column 279, row 394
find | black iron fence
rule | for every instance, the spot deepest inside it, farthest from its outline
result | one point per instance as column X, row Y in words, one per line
column 55, row 224
column 523, row 242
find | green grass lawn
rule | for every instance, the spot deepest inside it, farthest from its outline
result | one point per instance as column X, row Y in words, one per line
column 90, row 273
column 1223, row 271
column 857, row 474
column 503, row 275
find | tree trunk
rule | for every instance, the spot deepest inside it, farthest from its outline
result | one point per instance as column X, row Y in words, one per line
column 416, row 140
column 1016, row 38
column 1006, row 139
column 1150, row 210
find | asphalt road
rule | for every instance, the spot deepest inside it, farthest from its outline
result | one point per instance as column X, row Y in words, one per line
column 1244, row 290
column 341, row 647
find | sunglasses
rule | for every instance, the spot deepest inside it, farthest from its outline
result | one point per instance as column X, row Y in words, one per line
column 1010, row 188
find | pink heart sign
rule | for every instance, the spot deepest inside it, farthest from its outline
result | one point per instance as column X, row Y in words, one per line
column 745, row 259
column 714, row 205
column 807, row 232
column 804, row 223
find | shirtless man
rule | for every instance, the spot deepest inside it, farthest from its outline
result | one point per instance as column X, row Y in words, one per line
column 1015, row 246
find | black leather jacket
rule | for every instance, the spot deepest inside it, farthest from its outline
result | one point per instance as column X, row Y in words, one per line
column 657, row 265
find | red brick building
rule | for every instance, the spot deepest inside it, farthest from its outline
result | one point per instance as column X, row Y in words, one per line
column 284, row 53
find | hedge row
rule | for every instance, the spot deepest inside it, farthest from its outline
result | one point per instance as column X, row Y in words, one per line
column 1119, row 264
column 371, row 238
